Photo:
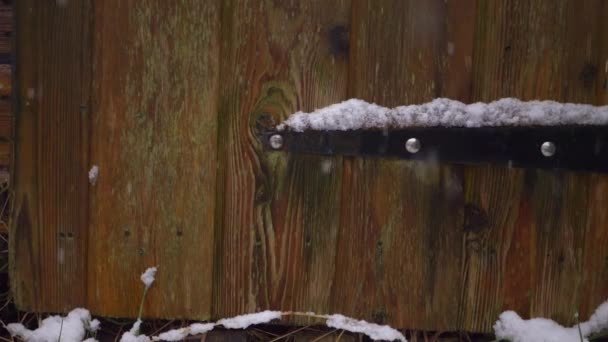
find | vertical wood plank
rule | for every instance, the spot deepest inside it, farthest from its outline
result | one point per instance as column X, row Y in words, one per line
column 278, row 221
column 154, row 138
column 491, row 243
column 6, row 27
column 49, row 234
column 532, row 264
column 594, row 285
column 399, row 246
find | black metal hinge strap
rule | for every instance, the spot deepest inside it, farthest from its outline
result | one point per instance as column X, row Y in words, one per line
column 583, row 148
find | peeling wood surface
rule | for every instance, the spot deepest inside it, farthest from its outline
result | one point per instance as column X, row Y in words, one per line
column 178, row 94
column 154, row 138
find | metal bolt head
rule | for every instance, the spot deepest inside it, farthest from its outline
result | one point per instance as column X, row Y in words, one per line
column 276, row 141
column 412, row 145
column 548, row 149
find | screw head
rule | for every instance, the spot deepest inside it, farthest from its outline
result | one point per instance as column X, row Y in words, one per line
column 548, row 149
column 276, row 141
column 413, row 145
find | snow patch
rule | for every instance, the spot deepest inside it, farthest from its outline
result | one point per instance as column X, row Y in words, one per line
column 244, row 321
column 130, row 337
column 510, row 326
column 94, row 325
column 374, row 331
column 357, row 114
column 133, row 334
column 71, row 328
column 148, row 277
column 93, row 174
column 515, row 329
column 180, row 334
column 597, row 322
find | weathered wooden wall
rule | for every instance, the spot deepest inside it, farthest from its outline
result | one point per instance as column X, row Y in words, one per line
column 6, row 116
column 167, row 99
column 48, row 241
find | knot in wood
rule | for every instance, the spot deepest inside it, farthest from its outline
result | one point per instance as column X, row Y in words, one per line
column 339, row 41
column 475, row 219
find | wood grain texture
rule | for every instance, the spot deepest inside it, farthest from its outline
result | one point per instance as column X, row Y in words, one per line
column 496, row 254
column 5, row 155
column 399, row 245
column 180, row 92
column 7, row 120
column 48, row 237
column 594, row 283
column 530, row 257
column 6, row 27
column 154, row 138
column 277, row 225
column 5, row 81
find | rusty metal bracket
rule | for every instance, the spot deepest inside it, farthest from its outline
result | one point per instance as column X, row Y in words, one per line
column 581, row 148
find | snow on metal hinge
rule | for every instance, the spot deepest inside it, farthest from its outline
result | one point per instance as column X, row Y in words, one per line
column 583, row 148
column 535, row 134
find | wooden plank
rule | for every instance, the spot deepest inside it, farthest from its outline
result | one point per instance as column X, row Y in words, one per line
column 6, row 121
column 399, row 246
column 277, row 224
column 6, row 26
column 154, row 138
column 48, row 238
column 5, row 155
column 5, row 80
column 492, row 243
column 594, row 283
column 533, row 263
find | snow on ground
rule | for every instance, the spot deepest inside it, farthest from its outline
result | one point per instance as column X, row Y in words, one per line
column 243, row 321
column 70, row 328
column 597, row 322
column 374, row 331
column 130, row 337
column 510, row 326
column 357, row 114
column 180, row 334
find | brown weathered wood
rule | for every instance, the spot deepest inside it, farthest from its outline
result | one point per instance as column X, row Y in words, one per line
column 602, row 79
column 278, row 219
column 496, row 252
column 528, row 254
column 180, row 92
column 6, row 27
column 48, row 235
column 154, row 138
column 399, row 246
column 5, row 80
column 6, row 120
column 594, row 265
column 5, row 155
column 594, row 283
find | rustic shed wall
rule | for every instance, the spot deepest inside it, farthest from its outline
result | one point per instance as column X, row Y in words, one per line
column 168, row 98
